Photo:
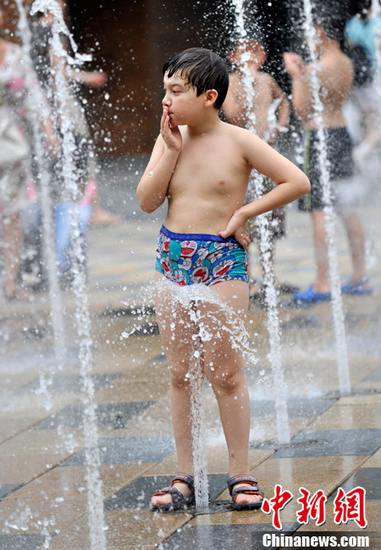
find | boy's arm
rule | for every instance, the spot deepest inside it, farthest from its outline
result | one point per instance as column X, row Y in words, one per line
column 291, row 182
column 284, row 108
column 153, row 185
column 282, row 111
column 93, row 79
column 301, row 91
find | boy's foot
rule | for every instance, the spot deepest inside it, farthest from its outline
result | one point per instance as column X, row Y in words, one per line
column 179, row 496
column 245, row 493
column 311, row 296
column 357, row 288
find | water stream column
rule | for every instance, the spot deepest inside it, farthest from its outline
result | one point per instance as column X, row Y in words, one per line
column 337, row 302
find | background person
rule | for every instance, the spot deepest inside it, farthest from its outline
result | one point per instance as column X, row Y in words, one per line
column 14, row 162
column 335, row 75
column 87, row 209
column 270, row 109
column 363, row 32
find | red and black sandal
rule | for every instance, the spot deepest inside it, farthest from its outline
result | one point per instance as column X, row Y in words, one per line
column 179, row 501
column 250, row 488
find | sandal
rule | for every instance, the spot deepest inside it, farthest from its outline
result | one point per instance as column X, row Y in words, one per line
column 250, row 488
column 311, row 296
column 179, row 501
column 359, row 288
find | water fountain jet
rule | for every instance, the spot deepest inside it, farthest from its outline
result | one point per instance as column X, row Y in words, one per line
column 273, row 323
column 37, row 107
column 62, row 97
column 337, row 302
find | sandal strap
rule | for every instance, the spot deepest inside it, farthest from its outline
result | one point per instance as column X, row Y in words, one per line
column 251, row 484
column 247, row 490
column 184, row 478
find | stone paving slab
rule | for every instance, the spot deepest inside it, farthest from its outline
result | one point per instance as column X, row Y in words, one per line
column 307, row 408
column 7, row 488
column 333, row 442
column 369, row 479
column 116, row 415
column 224, row 537
column 129, row 450
column 21, row 542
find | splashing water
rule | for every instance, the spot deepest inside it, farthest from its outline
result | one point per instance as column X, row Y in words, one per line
column 337, row 303
column 37, row 107
column 256, row 190
column 62, row 96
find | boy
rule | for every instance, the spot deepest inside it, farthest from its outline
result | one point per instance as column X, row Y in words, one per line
column 266, row 93
column 335, row 74
column 271, row 111
column 202, row 165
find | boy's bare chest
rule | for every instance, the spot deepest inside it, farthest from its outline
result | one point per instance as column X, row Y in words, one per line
column 215, row 167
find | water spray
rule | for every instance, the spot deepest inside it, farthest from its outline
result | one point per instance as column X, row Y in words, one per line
column 62, row 96
column 273, row 323
column 337, row 302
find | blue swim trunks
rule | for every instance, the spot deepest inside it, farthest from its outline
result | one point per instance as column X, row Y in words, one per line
column 191, row 258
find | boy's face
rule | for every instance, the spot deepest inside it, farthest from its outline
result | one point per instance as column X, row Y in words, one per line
column 252, row 49
column 181, row 100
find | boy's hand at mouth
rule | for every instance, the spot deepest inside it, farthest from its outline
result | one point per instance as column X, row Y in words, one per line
column 236, row 227
column 169, row 132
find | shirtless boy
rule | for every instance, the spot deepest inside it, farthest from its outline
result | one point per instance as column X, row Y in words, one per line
column 270, row 111
column 335, row 74
column 202, row 166
column 266, row 92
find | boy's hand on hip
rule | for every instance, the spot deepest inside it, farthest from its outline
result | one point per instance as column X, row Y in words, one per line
column 236, row 227
column 170, row 133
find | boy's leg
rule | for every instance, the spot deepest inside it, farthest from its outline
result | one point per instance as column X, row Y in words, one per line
column 356, row 238
column 176, row 332
column 224, row 369
column 322, row 282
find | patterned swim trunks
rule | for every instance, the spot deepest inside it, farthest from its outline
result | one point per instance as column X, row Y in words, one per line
column 188, row 258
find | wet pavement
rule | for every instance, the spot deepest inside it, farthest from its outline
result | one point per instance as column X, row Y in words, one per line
column 336, row 440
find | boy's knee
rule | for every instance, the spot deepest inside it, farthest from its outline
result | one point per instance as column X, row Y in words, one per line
column 227, row 383
column 179, row 378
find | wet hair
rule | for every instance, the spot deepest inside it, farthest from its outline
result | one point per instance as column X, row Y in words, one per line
column 362, row 64
column 203, row 69
column 331, row 20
